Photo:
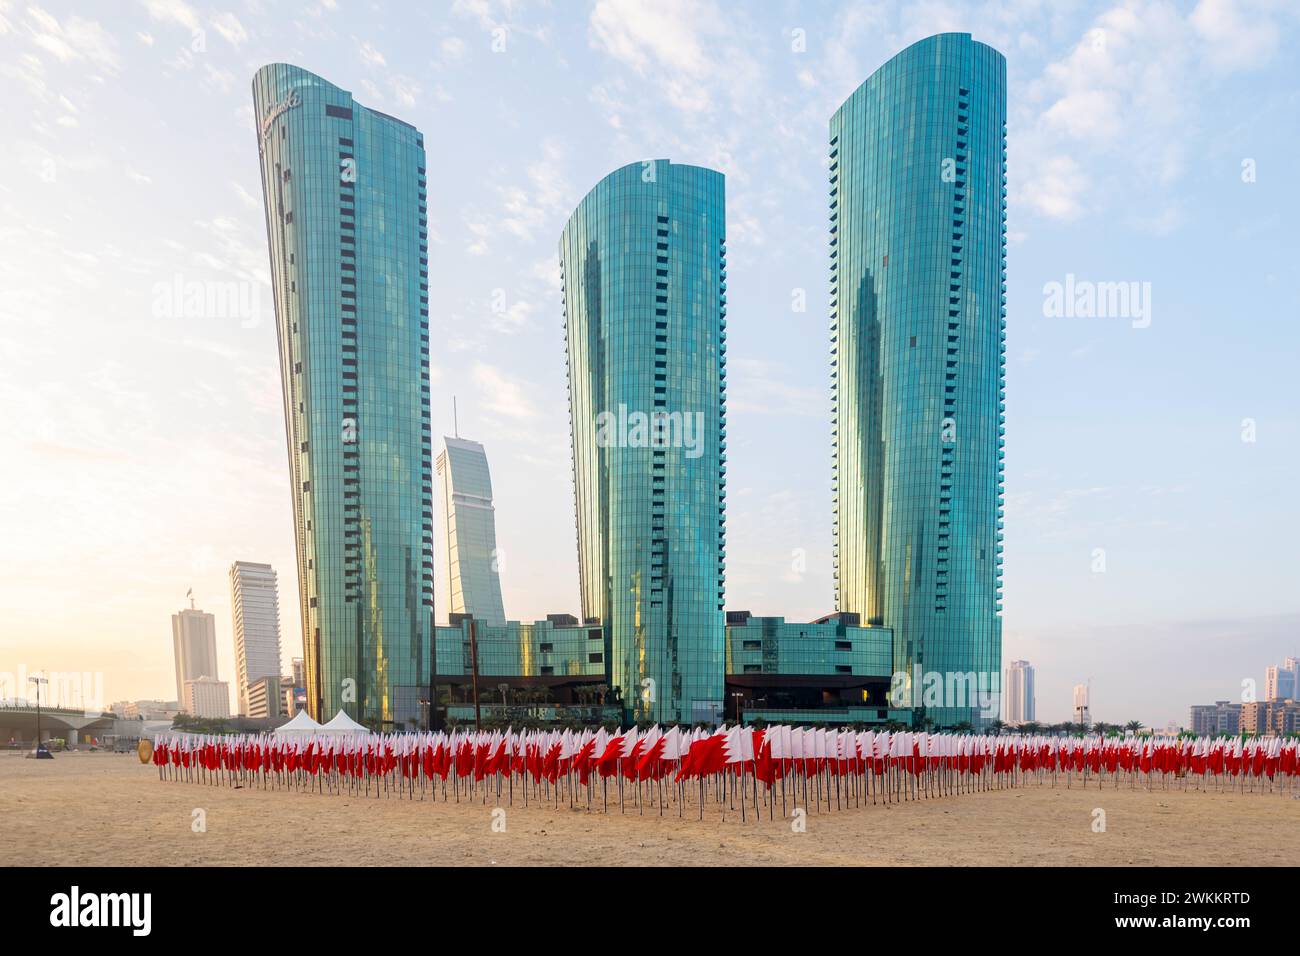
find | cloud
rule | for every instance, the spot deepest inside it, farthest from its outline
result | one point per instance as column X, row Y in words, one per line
column 405, row 90
column 228, row 25
column 173, row 11
column 74, row 39
column 669, row 33
column 512, row 317
column 763, row 387
column 478, row 245
column 1236, row 39
column 543, row 198
column 500, row 394
column 371, row 56
column 688, row 47
column 1130, row 86
column 1055, row 188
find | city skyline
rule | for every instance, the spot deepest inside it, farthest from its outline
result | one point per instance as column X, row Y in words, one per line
column 1101, row 426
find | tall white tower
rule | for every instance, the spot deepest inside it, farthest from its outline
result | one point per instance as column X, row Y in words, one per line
column 1020, row 693
column 194, row 643
column 1082, row 713
column 255, row 605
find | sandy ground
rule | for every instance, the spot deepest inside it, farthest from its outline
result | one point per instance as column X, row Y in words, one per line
column 106, row 809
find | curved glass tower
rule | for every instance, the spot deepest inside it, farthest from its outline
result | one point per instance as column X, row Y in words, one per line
column 473, row 582
column 918, row 332
column 344, row 190
column 643, row 260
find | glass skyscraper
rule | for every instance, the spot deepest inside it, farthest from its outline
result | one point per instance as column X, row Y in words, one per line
column 472, row 559
column 344, row 190
column 918, row 346
column 643, row 261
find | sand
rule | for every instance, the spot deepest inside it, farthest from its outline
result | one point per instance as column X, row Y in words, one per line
column 107, row 809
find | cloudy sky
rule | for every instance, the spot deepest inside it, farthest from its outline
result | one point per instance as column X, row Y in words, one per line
column 1149, row 142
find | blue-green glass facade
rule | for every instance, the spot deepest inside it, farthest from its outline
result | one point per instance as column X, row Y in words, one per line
column 540, row 649
column 643, row 261
column 918, row 333
column 831, row 671
column 773, row 645
column 344, row 190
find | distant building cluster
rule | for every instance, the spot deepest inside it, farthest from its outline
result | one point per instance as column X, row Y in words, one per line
column 146, row 709
column 1277, row 713
column 262, row 691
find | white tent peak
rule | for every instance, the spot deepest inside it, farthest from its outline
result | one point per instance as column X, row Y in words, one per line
column 301, row 724
column 342, row 723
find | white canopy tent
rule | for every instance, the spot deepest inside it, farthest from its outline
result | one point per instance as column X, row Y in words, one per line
column 341, row 723
column 301, row 726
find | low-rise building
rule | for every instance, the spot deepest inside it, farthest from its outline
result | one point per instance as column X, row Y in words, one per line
column 264, row 698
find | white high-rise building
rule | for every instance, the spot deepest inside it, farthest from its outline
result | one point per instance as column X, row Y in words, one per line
column 1082, row 713
column 194, row 643
column 1020, row 693
column 255, row 605
column 472, row 559
column 206, row 697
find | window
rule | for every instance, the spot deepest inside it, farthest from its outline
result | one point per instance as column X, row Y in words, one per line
column 338, row 112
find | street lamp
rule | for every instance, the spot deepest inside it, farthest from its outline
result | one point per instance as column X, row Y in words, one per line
column 40, row 753
column 739, row 695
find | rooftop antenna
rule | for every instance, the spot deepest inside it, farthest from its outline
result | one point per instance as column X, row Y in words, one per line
column 190, row 594
column 455, row 421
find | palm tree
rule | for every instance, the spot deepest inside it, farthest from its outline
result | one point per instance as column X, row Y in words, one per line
column 1030, row 727
column 962, row 727
column 1133, row 726
column 995, row 726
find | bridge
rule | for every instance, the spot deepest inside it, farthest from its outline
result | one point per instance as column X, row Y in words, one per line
column 18, row 724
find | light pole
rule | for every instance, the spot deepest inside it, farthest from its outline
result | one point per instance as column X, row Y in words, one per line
column 40, row 753
column 739, row 695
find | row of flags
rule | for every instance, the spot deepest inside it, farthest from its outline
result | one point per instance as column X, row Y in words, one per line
column 676, row 765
